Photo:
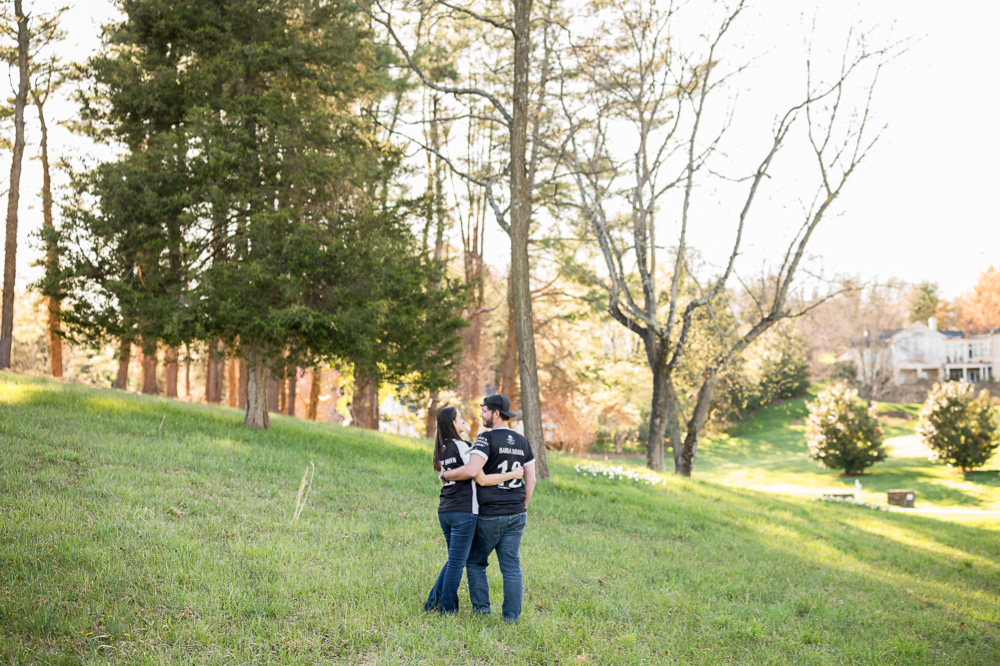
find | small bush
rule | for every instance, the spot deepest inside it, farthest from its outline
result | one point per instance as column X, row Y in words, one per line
column 775, row 368
column 959, row 427
column 843, row 431
column 846, row 371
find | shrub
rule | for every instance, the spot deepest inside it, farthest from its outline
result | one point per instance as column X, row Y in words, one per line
column 846, row 371
column 785, row 365
column 776, row 367
column 843, row 431
column 959, row 427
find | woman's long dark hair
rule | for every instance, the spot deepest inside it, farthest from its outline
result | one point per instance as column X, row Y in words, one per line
column 445, row 430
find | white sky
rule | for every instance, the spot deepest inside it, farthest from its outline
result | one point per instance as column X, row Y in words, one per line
column 920, row 209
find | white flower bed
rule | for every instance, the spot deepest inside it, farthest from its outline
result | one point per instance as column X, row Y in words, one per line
column 616, row 472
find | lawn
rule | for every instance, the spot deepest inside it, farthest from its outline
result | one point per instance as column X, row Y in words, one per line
column 145, row 530
column 769, row 453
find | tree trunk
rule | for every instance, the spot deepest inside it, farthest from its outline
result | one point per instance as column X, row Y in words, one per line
column 470, row 376
column 312, row 412
column 657, row 421
column 55, row 341
column 293, row 381
column 257, row 385
column 673, row 420
column 364, row 407
column 149, row 361
column 663, row 407
column 10, row 247
column 187, row 371
column 51, row 260
column 124, row 358
column 209, row 375
column 273, row 389
column 213, row 373
column 170, row 359
column 219, row 361
column 231, row 382
column 508, row 366
column 684, row 460
column 241, row 393
column 436, row 185
column 282, row 395
column 430, row 423
column 520, row 220
column 470, row 385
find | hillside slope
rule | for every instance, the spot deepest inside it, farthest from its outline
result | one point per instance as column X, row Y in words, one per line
column 143, row 530
column 769, row 452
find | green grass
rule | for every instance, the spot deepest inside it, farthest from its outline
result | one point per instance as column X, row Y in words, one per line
column 769, row 452
column 141, row 530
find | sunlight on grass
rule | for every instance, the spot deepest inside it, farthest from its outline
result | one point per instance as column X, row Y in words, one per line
column 911, row 538
column 229, row 444
column 13, row 394
column 919, row 587
column 176, row 545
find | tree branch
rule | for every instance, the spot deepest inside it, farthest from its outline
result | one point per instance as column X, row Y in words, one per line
column 451, row 90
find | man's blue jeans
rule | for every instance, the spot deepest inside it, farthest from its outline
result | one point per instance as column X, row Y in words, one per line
column 458, row 528
column 503, row 534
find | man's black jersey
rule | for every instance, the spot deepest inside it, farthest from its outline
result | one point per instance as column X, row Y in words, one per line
column 457, row 496
column 505, row 450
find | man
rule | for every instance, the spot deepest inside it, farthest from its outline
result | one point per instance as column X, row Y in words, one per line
column 502, row 508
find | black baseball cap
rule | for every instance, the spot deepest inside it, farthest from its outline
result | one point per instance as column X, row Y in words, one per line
column 498, row 403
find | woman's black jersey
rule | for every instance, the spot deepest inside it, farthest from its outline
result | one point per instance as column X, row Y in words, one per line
column 457, row 496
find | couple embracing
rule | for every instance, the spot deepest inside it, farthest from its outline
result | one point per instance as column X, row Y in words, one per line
column 486, row 489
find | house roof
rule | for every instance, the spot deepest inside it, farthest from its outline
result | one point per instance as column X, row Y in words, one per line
column 915, row 326
column 921, row 326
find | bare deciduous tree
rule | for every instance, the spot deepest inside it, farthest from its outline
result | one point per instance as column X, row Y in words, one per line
column 635, row 78
column 857, row 326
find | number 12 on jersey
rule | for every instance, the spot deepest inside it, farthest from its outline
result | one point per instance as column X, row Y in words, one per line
column 513, row 483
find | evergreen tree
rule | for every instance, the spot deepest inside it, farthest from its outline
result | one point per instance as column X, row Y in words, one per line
column 251, row 182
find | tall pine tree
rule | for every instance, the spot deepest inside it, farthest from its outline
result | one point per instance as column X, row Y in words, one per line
column 241, row 118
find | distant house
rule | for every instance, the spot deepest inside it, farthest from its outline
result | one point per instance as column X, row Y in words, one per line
column 921, row 352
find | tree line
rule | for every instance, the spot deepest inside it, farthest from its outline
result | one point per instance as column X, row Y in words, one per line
column 261, row 204
column 251, row 207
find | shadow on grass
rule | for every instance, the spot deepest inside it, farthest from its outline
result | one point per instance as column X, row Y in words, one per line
column 927, row 484
column 806, row 564
column 689, row 562
column 989, row 477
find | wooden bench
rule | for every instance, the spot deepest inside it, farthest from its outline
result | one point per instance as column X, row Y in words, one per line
column 902, row 498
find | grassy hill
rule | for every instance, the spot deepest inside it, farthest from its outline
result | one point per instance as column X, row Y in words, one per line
column 142, row 530
column 769, row 452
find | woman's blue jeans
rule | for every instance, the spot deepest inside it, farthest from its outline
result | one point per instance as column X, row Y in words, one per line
column 459, row 529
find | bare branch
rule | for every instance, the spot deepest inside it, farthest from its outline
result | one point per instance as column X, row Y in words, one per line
column 451, row 90
column 503, row 25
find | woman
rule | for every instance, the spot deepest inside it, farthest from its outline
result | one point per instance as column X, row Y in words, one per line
column 458, row 509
